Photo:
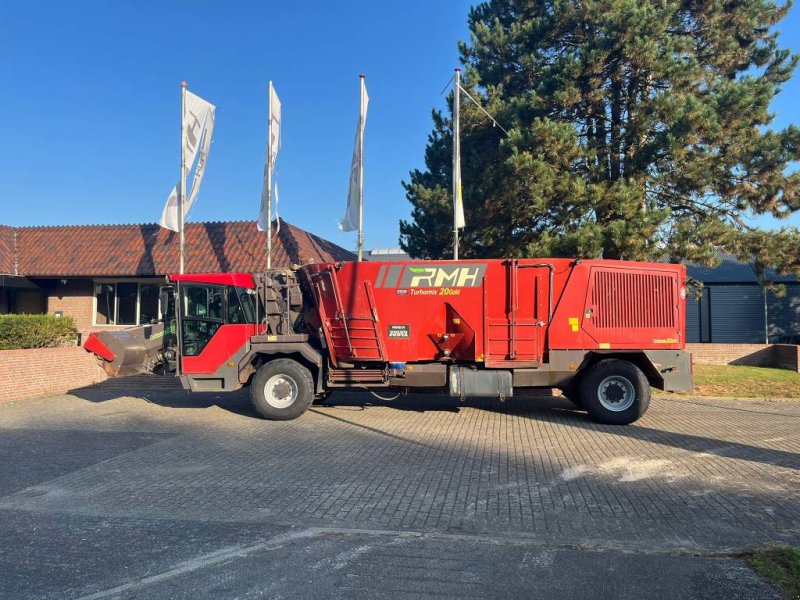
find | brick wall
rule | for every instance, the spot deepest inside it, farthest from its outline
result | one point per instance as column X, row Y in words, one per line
column 74, row 299
column 785, row 356
column 44, row 371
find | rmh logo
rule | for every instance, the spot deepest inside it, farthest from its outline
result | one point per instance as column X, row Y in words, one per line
column 455, row 275
column 441, row 277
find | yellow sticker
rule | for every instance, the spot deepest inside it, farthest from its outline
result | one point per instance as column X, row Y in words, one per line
column 272, row 338
column 574, row 323
column 605, row 346
column 665, row 341
column 456, row 321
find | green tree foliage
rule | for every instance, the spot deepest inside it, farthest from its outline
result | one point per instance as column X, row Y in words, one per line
column 637, row 129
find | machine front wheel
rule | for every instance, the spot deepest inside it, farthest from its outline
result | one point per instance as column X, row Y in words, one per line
column 282, row 389
column 615, row 392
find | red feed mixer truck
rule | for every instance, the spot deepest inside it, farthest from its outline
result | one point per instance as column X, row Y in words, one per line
column 602, row 331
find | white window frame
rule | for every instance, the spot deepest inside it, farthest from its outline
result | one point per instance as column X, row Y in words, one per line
column 114, row 281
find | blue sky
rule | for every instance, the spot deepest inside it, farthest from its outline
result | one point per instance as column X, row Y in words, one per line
column 90, row 99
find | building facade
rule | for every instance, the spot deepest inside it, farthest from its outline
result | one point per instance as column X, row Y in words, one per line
column 108, row 276
column 734, row 307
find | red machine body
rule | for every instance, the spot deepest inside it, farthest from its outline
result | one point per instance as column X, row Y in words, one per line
column 501, row 313
column 604, row 332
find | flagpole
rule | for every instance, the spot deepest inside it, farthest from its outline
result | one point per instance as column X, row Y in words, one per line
column 269, row 179
column 456, row 158
column 362, row 77
column 182, row 187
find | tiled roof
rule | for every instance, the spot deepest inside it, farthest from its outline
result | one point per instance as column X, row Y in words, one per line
column 6, row 250
column 728, row 270
column 147, row 249
column 731, row 270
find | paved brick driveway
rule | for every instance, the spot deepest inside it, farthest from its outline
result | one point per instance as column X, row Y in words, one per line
column 693, row 476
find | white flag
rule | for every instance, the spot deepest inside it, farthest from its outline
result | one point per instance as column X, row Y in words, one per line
column 459, row 208
column 198, row 129
column 354, row 200
column 273, row 145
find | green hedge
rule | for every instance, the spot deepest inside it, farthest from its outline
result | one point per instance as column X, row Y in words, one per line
column 36, row 331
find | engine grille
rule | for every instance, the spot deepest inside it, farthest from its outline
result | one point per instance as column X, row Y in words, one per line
column 635, row 300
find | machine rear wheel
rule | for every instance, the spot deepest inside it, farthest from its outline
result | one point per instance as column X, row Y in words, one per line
column 615, row 392
column 282, row 389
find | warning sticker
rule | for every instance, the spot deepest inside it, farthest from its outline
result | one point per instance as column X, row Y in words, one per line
column 399, row 331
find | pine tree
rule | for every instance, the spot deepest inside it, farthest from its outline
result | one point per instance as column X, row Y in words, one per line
column 637, row 129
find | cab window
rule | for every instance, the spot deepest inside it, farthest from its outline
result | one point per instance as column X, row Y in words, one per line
column 202, row 307
column 203, row 302
column 241, row 305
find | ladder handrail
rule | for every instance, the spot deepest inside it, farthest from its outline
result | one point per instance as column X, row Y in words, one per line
column 339, row 310
column 374, row 311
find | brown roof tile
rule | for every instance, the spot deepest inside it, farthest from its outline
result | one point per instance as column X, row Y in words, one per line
column 7, row 250
column 141, row 250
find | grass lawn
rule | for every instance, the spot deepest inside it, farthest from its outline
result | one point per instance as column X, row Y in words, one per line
column 781, row 567
column 745, row 382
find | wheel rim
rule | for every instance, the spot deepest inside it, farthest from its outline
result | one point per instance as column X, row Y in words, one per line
column 280, row 391
column 616, row 393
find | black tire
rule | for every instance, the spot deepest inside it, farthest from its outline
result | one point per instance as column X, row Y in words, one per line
column 615, row 392
column 290, row 393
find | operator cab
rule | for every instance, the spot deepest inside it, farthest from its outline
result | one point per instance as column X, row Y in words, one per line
column 216, row 311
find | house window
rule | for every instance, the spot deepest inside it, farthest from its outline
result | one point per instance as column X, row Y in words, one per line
column 148, row 303
column 126, row 303
column 106, row 303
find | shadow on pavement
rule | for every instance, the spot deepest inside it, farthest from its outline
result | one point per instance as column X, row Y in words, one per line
column 552, row 409
column 494, row 469
column 557, row 409
column 710, row 402
column 167, row 392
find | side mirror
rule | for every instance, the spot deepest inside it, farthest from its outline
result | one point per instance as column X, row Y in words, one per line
column 165, row 293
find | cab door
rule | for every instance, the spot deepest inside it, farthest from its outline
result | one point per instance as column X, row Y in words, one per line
column 217, row 322
column 202, row 310
column 241, row 314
